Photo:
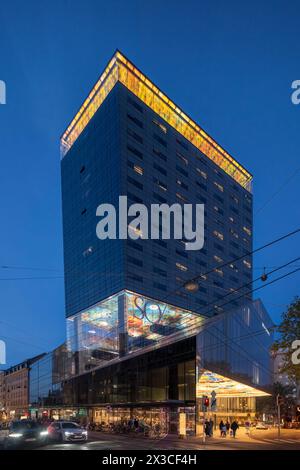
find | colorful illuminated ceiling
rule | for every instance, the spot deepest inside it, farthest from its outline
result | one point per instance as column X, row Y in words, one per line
column 122, row 70
column 224, row 386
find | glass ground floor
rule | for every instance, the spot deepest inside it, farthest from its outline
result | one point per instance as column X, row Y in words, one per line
column 180, row 418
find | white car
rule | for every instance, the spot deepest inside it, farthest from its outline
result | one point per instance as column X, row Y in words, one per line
column 67, row 431
column 261, row 426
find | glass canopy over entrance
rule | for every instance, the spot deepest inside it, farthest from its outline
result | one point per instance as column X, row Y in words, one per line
column 224, row 386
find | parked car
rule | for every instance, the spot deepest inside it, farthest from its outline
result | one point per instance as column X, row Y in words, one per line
column 23, row 433
column 261, row 425
column 66, row 431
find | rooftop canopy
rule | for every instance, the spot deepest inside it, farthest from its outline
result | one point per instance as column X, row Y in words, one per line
column 120, row 69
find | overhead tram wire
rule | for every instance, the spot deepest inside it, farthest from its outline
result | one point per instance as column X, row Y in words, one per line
column 227, row 263
column 209, row 320
column 234, row 260
column 196, row 277
column 212, row 320
column 243, row 295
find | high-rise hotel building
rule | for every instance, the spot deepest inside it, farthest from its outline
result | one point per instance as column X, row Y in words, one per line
column 143, row 344
column 130, row 139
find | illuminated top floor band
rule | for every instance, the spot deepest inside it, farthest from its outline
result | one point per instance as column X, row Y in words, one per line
column 121, row 69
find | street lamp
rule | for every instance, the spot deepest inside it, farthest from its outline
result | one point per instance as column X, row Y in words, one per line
column 191, row 286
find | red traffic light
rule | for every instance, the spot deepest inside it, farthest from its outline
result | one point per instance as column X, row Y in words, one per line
column 206, row 401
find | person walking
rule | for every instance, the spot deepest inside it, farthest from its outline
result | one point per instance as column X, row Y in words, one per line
column 211, row 427
column 221, row 427
column 234, row 427
column 206, row 428
column 227, row 426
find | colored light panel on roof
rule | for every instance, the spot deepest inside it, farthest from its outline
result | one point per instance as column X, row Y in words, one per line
column 122, row 70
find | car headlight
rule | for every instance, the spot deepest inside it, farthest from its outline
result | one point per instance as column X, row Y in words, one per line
column 43, row 433
column 67, row 433
column 15, row 434
column 84, row 432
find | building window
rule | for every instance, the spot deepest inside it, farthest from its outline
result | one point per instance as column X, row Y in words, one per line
column 135, row 151
column 134, row 277
column 135, row 261
column 182, row 267
column 134, row 244
column 138, row 169
column 234, row 233
column 247, row 230
column 160, row 169
column 160, row 125
column 218, row 234
column 247, row 264
column 202, row 173
column 157, row 285
column 135, row 120
column 182, row 184
column 219, row 271
column 183, row 144
column 134, row 104
column 134, row 198
column 182, row 171
column 160, row 154
column 182, row 158
column 182, row 198
column 219, row 210
column 160, row 140
column 159, row 271
column 160, row 257
column 219, row 186
column 134, row 182
column 159, row 198
column 134, row 135
column 160, row 184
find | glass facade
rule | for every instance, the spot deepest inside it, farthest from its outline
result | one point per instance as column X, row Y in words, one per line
column 237, row 345
column 127, row 149
column 138, row 343
column 124, row 324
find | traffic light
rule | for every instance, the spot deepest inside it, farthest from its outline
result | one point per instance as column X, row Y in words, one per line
column 279, row 400
column 205, row 403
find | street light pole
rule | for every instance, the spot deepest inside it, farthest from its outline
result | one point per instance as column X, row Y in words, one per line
column 278, row 414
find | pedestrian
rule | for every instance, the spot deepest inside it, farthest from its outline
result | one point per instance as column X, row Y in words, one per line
column 222, row 427
column 234, row 427
column 206, row 428
column 247, row 427
column 227, row 426
column 211, row 427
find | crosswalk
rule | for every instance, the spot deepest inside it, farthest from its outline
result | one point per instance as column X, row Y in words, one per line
column 279, row 441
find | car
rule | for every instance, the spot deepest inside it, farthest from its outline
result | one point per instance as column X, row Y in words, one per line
column 261, row 426
column 24, row 433
column 67, row 431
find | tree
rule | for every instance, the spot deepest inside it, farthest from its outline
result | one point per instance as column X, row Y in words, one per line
column 289, row 330
column 268, row 405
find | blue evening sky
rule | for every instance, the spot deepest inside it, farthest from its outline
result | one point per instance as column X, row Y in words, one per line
column 229, row 65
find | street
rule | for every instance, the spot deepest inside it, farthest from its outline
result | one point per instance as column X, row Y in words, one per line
column 259, row 440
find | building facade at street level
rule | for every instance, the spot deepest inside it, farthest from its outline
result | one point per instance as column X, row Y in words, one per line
column 14, row 389
column 140, row 344
column 158, row 381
